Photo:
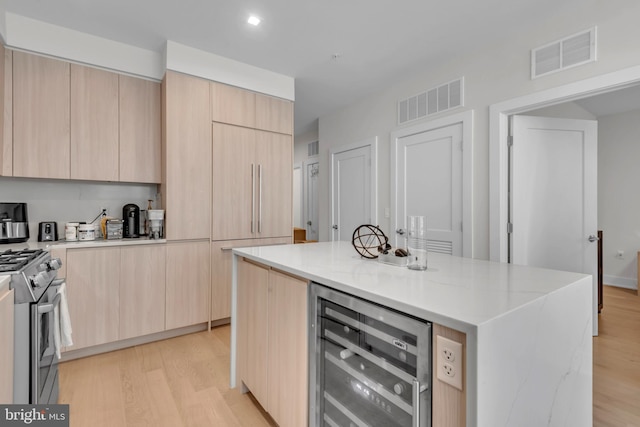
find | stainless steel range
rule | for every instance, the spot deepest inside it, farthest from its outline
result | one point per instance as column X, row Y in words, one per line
column 33, row 277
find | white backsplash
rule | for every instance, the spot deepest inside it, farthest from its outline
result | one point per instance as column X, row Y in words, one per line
column 64, row 201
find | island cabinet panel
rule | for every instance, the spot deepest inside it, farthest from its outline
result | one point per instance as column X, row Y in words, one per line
column 93, row 276
column 272, row 341
column 221, row 263
column 186, row 157
column 449, row 403
column 188, row 283
column 142, row 290
column 140, row 128
column 6, row 346
column 252, row 328
column 274, row 114
column 233, row 105
column 41, row 117
column 6, row 111
column 94, row 124
column 287, row 366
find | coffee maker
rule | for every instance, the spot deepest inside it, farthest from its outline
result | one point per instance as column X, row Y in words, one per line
column 130, row 221
column 14, row 225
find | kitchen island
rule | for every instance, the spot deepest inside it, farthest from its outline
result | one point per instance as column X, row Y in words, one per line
column 528, row 358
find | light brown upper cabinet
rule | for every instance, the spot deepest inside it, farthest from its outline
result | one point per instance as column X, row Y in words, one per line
column 6, row 113
column 233, row 105
column 94, row 124
column 274, row 114
column 186, row 146
column 139, row 130
column 41, row 105
column 252, row 187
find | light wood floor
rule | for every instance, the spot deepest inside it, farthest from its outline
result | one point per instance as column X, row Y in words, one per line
column 616, row 361
column 184, row 381
column 177, row 382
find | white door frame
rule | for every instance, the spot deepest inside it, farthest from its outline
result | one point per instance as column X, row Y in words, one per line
column 498, row 134
column 372, row 143
column 300, row 166
column 466, row 119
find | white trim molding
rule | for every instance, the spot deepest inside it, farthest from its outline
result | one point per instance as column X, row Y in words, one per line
column 620, row 282
column 466, row 119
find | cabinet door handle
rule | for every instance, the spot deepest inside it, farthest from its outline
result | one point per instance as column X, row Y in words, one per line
column 253, row 197
column 260, row 199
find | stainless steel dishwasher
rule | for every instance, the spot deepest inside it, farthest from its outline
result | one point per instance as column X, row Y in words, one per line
column 369, row 365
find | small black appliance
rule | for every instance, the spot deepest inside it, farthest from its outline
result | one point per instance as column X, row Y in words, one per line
column 48, row 231
column 14, row 225
column 131, row 221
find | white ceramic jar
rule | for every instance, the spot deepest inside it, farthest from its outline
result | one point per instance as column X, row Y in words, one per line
column 71, row 231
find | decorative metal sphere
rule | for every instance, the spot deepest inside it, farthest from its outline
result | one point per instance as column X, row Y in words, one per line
column 367, row 239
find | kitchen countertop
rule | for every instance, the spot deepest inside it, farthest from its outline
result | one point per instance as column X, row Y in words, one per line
column 4, row 283
column 528, row 353
column 98, row 243
column 460, row 293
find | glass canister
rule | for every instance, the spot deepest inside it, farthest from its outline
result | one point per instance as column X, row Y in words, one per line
column 417, row 242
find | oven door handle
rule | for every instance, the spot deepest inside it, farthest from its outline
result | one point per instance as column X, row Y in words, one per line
column 46, row 308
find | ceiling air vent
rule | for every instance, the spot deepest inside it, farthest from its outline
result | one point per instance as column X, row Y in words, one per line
column 312, row 149
column 431, row 101
column 568, row 52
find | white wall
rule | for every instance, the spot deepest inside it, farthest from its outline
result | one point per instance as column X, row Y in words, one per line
column 567, row 110
column 618, row 196
column 67, row 201
column 494, row 74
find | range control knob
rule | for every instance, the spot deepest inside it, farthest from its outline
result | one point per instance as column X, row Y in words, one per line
column 40, row 280
column 54, row 264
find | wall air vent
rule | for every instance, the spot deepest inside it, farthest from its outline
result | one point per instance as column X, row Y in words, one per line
column 561, row 54
column 313, row 149
column 431, row 101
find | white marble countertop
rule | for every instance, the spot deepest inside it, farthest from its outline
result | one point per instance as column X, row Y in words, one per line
column 460, row 293
column 98, row 243
column 4, row 283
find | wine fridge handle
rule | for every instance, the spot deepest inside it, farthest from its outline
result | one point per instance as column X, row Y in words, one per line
column 416, row 391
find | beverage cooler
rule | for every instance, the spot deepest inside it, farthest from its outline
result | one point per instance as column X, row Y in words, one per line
column 369, row 365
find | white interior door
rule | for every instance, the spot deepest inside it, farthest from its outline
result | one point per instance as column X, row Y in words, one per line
column 554, row 195
column 351, row 191
column 429, row 182
column 311, row 200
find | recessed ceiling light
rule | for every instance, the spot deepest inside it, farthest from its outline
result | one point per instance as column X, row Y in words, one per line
column 253, row 20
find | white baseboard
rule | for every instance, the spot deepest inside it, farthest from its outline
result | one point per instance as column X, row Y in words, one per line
column 620, row 282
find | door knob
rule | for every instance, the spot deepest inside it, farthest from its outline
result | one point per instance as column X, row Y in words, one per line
column 400, row 231
column 335, row 226
column 593, row 238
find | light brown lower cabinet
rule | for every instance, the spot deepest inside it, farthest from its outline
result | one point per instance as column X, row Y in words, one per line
column 272, row 341
column 93, row 293
column 221, row 258
column 142, row 290
column 6, row 347
column 188, row 283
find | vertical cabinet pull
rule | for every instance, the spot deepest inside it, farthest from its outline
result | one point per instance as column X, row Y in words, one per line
column 260, row 199
column 253, row 198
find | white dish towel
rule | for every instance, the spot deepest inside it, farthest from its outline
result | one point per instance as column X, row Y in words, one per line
column 61, row 322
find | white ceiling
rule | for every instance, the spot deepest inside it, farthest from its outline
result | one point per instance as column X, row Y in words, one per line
column 378, row 41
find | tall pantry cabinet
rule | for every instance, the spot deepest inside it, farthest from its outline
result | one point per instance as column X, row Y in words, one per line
column 227, row 176
column 252, row 180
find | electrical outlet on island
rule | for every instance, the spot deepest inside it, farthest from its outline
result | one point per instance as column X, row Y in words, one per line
column 449, row 361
